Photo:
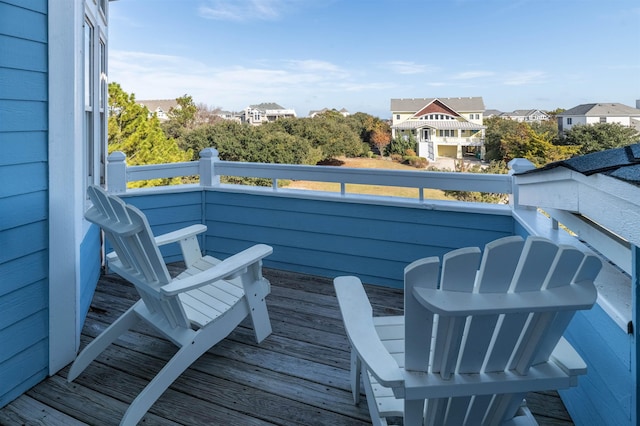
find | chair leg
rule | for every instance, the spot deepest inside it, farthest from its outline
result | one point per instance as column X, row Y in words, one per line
column 100, row 343
column 356, row 369
column 185, row 356
column 255, row 294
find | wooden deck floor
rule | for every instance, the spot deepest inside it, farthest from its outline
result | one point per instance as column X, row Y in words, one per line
column 297, row 376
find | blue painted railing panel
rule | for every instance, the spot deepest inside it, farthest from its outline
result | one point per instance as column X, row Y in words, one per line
column 330, row 238
column 168, row 212
column 604, row 394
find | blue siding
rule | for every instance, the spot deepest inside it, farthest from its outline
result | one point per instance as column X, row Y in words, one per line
column 90, row 263
column 24, row 315
column 604, row 395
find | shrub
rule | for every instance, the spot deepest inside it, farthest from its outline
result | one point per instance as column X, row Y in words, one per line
column 417, row 162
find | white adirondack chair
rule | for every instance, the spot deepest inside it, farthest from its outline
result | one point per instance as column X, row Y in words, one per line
column 472, row 341
column 195, row 310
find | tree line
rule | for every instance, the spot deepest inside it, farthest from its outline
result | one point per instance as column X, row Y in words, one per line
column 191, row 128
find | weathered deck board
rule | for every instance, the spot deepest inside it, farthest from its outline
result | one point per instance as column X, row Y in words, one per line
column 298, row 375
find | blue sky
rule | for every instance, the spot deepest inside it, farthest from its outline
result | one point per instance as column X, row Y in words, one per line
column 358, row 54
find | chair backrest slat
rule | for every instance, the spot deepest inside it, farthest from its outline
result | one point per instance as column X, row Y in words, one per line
column 139, row 259
column 497, row 342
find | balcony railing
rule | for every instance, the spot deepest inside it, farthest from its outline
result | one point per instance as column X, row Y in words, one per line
column 210, row 168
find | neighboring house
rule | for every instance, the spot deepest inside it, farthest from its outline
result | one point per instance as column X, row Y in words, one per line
column 264, row 113
column 343, row 111
column 443, row 127
column 229, row 115
column 488, row 113
column 599, row 113
column 160, row 107
column 526, row 115
column 53, row 103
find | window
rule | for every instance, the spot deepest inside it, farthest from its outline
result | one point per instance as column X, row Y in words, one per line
column 94, row 56
column 397, row 116
column 569, row 120
column 447, row 133
column 603, row 119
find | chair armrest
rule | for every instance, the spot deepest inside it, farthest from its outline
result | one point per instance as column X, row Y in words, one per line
column 187, row 238
column 225, row 269
column 358, row 322
column 566, row 357
column 180, row 234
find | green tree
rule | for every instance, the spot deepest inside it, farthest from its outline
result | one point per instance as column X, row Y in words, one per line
column 139, row 136
column 181, row 117
column 508, row 139
column 401, row 144
column 372, row 130
column 329, row 132
column 599, row 136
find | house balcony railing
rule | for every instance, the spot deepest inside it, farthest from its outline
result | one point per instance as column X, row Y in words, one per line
column 455, row 141
column 210, row 169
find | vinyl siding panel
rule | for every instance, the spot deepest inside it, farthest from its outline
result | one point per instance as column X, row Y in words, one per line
column 90, row 263
column 23, row 147
column 24, row 314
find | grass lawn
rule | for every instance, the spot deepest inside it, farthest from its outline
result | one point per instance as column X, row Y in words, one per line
column 370, row 163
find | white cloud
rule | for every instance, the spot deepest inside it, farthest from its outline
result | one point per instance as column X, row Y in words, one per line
column 154, row 76
column 243, row 10
column 470, row 75
column 407, row 67
column 524, row 78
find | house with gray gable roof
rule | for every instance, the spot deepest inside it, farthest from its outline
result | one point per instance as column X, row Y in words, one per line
column 160, row 107
column 265, row 112
column 606, row 112
column 443, row 127
column 526, row 115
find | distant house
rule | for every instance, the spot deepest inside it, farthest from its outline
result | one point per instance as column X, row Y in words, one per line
column 229, row 115
column 264, row 113
column 526, row 115
column 488, row 113
column 599, row 113
column 343, row 111
column 522, row 115
column 443, row 127
column 160, row 107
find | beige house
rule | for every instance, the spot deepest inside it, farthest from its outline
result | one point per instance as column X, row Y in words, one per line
column 443, row 127
column 160, row 107
column 264, row 113
column 344, row 112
